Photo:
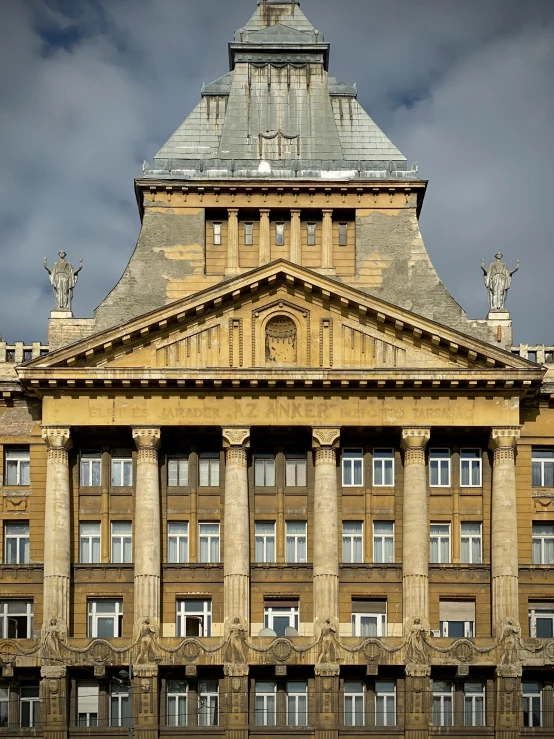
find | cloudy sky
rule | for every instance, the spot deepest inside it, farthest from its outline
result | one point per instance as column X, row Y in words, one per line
column 90, row 88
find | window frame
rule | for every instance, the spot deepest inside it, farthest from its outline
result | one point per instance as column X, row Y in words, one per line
column 311, row 233
column 21, row 456
column 279, row 233
column 213, row 467
column 210, row 537
column 87, row 461
column 444, row 697
column 4, row 706
column 540, row 462
column 471, row 538
column 176, row 539
column 471, row 698
column 386, row 695
column 120, row 695
column 125, row 459
column 546, row 613
column 355, row 542
column 351, row 695
column 264, row 470
column 248, row 233
column 212, row 697
column 27, row 613
column 343, row 233
column 202, row 615
column 273, row 612
column 440, row 538
column 178, row 697
column 90, row 540
column 439, row 461
column 296, row 696
column 379, row 616
column 473, row 462
column 33, row 701
column 267, row 714
column 88, row 722
column 541, row 539
column 22, row 543
column 93, row 616
column 126, row 546
column 298, row 540
column 380, row 462
column 469, row 629
column 383, row 538
column 216, row 233
column 349, row 461
column 181, row 473
column 531, row 696
column 264, row 539
column 298, row 461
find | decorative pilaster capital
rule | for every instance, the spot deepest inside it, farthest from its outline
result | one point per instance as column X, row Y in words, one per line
column 325, row 436
column 232, row 211
column 234, row 436
column 413, row 441
column 504, row 438
column 295, row 212
column 265, row 211
column 147, row 437
column 57, row 437
column 327, row 211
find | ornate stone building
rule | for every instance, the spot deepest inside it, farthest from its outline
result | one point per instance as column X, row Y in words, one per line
column 279, row 484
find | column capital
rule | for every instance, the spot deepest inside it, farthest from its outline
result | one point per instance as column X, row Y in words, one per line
column 327, row 211
column 325, row 436
column 232, row 211
column 147, row 437
column 265, row 211
column 414, row 438
column 236, row 436
column 296, row 211
column 57, row 437
column 505, row 437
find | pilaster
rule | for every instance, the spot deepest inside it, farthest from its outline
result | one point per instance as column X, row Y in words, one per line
column 54, row 697
column 327, row 697
column 236, row 690
column 295, row 237
column 145, row 702
column 232, row 242
column 265, row 241
column 327, row 243
column 508, row 701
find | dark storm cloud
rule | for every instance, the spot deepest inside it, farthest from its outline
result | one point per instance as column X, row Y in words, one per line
column 90, row 88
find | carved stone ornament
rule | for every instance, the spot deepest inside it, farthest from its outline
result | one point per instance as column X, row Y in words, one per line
column 325, row 436
column 415, row 651
column 414, row 438
column 149, row 651
column 235, row 649
column 328, row 646
column 147, row 438
column 53, row 639
column 511, row 643
column 235, row 436
column 57, row 437
column 504, row 438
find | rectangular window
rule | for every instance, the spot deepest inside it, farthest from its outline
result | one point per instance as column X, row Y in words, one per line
column 343, row 234
column 383, row 467
column 18, row 466
column 194, row 617
column 385, row 703
column 89, row 542
column 311, row 234
column 295, row 470
column 297, row 703
column 440, row 543
column 279, row 234
column 541, row 619
column 296, row 542
column 208, row 469
column 29, row 706
column 122, row 542
column 264, row 541
column 16, row 536
column 439, row 468
column 471, row 464
column 217, row 234
column 264, row 470
column 178, row 471
column 248, row 232
column 383, row 541
column 90, row 469
column 543, row 544
column 542, row 460
column 472, row 543
column 353, row 703
column 177, row 695
column 352, row 467
column 532, row 703
column 442, row 703
column 265, row 703
column 208, row 543
column 87, row 703
column 4, row 705
column 369, row 618
column 178, row 542
column 352, row 542
column 105, row 618
column 120, row 704
column 474, row 704
column 457, row 618
column 279, row 615
column 208, row 703
column 16, row 619
column 122, row 468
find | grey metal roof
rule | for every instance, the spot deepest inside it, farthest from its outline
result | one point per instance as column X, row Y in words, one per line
column 279, row 106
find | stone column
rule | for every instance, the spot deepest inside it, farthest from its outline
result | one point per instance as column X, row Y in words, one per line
column 145, row 702
column 236, row 527
column 147, row 527
column 54, row 699
column 415, row 527
column 504, row 552
column 326, row 539
column 327, row 241
column 57, row 528
column 265, row 240
column 232, row 242
column 295, row 237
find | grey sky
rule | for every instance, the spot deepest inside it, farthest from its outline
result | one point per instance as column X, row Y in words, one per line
column 90, row 88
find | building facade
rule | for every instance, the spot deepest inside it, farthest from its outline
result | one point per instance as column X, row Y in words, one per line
column 279, row 484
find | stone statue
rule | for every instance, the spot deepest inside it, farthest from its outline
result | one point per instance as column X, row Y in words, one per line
column 63, row 279
column 328, row 652
column 510, row 642
column 498, row 279
column 148, row 650
column 52, row 641
column 416, row 648
column 235, row 651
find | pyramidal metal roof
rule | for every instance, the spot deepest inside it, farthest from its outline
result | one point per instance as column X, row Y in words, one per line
column 279, row 113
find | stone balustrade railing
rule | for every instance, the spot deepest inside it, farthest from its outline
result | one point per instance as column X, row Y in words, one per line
column 539, row 353
column 19, row 352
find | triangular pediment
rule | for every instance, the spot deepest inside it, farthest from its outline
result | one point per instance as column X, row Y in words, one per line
column 279, row 34
column 274, row 321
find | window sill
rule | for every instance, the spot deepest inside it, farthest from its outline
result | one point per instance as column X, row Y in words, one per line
column 102, row 566
column 21, row 568
column 17, row 491
column 123, row 490
column 371, row 565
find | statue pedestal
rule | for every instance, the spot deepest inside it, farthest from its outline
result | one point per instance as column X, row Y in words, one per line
column 498, row 315
column 64, row 314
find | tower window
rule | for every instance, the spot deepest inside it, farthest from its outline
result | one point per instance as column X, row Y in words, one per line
column 279, row 234
column 343, row 234
column 311, row 234
column 217, row 234
column 248, row 234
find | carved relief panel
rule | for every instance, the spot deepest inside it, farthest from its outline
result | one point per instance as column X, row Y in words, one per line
column 281, row 335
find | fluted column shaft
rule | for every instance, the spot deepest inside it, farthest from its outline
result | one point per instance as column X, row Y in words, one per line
column 236, row 523
column 265, row 241
column 327, row 240
column 326, row 540
column 147, row 526
column 504, row 551
column 415, row 526
column 295, row 237
column 57, row 527
column 232, row 241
